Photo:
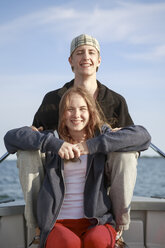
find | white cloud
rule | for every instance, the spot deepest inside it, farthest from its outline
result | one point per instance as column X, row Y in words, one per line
column 27, row 79
column 154, row 54
column 129, row 22
column 160, row 51
column 32, row 84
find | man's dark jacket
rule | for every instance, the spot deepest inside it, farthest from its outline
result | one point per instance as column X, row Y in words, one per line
column 112, row 104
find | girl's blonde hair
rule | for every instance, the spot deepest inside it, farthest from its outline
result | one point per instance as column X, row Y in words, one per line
column 96, row 116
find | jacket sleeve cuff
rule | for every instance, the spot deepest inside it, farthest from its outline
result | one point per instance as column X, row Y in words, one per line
column 94, row 145
column 52, row 144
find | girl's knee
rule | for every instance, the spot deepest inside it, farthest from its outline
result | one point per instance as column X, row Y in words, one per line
column 62, row 237
column 101, row 236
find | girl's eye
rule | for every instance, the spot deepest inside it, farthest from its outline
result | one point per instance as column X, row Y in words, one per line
column 83, row 109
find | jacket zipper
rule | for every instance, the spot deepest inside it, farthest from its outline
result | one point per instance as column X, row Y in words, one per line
column 88, row 169
column 57, row 213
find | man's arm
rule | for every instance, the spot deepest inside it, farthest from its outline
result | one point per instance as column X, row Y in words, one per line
column 114, row 107
column 124, row 118
column 47, row 114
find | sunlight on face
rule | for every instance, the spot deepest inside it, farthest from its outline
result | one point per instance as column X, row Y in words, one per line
column 77, row 114
column 85, row 60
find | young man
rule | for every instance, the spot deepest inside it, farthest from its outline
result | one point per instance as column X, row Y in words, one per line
column 120, row 167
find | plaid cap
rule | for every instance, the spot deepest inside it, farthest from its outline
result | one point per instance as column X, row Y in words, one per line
column 84, row 39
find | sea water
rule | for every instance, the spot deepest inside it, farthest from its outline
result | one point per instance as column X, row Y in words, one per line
column 150, row 179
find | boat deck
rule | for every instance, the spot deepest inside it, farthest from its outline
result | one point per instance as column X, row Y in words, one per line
column 147, row 228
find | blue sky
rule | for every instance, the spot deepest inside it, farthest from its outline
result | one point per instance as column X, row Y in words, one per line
column 35, row 40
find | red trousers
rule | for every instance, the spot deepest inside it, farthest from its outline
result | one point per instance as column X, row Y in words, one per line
column 72, row 233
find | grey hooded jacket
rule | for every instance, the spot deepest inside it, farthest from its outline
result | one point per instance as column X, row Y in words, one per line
column 97, row 205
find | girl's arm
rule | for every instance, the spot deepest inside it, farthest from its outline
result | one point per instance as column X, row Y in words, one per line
column 27, row 139
column 132, row 138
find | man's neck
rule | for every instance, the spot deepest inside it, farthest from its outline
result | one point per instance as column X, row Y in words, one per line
column 89, row 83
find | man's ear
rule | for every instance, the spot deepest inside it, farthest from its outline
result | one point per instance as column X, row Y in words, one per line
column 70, row 60
column 99, row 61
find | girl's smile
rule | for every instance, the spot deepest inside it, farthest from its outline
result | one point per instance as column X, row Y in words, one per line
column 77, row 114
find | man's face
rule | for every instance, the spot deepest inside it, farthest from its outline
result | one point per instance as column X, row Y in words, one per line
column 85, row 60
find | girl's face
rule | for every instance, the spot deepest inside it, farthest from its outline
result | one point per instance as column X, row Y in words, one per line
column 77, row 114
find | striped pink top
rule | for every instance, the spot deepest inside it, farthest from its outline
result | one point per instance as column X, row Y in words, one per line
column 74, row 175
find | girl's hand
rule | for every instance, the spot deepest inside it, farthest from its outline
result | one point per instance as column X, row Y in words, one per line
column 83, row 148
column 69, row 151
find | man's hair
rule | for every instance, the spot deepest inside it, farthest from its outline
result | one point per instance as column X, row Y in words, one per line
column 96, row 116
column 84, row 39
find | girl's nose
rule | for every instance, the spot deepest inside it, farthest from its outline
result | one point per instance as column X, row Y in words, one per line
column 77, row 113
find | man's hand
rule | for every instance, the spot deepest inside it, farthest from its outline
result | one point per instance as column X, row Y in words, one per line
column 69, row 151
column 116, row 129
column 37, row 129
